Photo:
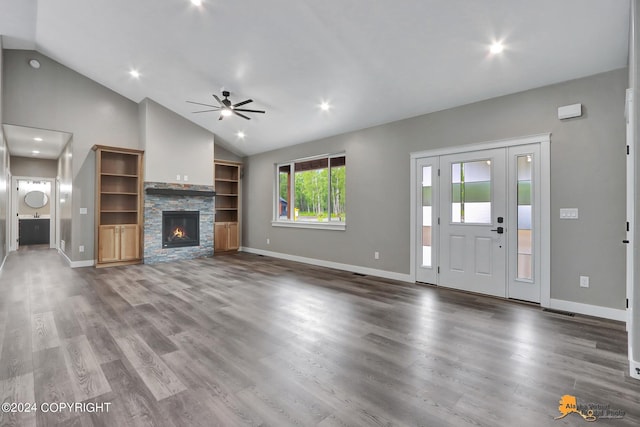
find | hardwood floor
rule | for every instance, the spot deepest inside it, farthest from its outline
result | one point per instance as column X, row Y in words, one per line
column 248, row 340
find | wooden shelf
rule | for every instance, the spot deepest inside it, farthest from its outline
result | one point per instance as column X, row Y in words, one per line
column 118, row 193
column 226, row 180
column 118, row 205
column 120, row 175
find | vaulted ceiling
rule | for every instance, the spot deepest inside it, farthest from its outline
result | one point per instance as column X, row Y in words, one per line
column 373, row 62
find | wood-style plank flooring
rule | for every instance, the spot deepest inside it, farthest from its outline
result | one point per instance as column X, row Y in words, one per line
column 247, row 340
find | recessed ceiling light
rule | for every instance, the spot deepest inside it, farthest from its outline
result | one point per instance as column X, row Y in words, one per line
column 35, row 152
column 34, row 63
column 197, row 2
column 37, row 138
column 241, row 135
column 496, row 48
column 135, row 74
column 324, row 106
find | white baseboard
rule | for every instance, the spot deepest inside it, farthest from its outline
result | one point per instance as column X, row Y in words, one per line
column 330, row 264
column 589, row 310
column 77, row 264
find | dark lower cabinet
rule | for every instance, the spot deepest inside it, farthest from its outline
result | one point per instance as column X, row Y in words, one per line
column 33, row 231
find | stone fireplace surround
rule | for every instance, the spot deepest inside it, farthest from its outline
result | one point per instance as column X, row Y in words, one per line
column 160, row 197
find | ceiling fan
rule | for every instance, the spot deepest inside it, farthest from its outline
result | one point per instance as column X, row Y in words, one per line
column 226, row 108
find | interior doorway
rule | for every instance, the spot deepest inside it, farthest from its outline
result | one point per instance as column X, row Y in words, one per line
column 33, row 212
column 480, row 221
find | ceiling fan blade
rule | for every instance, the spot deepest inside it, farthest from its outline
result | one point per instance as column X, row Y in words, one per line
column 199, row 103
column 249, row 111
column 241, row 115
column 242, row 103
column 205, row 111
column 218, row 99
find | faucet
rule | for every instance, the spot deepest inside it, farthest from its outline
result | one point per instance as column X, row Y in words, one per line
column 35, row 215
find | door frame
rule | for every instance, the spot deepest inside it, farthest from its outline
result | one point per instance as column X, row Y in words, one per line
column 544, row 140
column 53, row 216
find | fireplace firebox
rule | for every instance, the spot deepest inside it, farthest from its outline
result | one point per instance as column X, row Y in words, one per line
column 180, row 229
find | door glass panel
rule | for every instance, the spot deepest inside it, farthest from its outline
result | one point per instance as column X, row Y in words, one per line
column 525, row 228
column 471, row 192
column 427, row 203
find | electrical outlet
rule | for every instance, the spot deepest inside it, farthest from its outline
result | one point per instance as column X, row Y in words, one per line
column 376, row 255
column 268, row 241
column 186, row 177
column 177, row 177
column 569, row 213
column 584, row 281
column 81, row 248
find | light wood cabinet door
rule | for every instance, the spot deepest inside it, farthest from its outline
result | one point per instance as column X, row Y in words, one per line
column 109, row 247
column 220, row 236
column 233, row 241
column 129, row 242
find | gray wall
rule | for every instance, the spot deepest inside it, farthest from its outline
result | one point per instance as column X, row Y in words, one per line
column 174, row 146
column 224, row 154
column 587, row 172
column 5, row 180
column 27, row 166
column 56, row 97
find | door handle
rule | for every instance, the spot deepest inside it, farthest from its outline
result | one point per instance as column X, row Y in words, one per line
column 500, row 230
column 625, row 241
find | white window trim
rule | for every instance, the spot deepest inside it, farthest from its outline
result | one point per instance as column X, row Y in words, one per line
column 277, row 222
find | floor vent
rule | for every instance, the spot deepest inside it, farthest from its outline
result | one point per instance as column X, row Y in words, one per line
column 563, row 313
column 360, row 274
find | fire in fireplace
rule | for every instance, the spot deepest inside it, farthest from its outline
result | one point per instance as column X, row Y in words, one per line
column 180, row 228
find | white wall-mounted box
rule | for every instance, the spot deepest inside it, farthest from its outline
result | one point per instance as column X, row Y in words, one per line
column 570, row 111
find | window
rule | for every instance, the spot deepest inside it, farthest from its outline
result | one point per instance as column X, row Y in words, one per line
column 311, row 191
column 471, row 192
column 525, row 226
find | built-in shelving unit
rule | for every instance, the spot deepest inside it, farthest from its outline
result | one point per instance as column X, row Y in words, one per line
column 227, row 177
column 118, row 205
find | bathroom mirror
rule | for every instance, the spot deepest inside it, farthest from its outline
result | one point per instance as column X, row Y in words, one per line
column 36, row 199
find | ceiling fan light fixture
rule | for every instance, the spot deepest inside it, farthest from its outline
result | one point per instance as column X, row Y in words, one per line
column 226, row 112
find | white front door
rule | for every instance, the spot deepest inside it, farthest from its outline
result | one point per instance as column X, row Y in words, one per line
column 480, row 222
column 472, row 231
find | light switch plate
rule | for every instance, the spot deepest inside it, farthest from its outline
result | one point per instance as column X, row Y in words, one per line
column 569, row 213
column 83, row 211
column 584, row 281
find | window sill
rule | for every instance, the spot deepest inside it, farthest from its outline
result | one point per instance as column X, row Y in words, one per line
column 341, row 226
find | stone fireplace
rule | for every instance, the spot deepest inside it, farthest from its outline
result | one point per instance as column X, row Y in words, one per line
column 178, row 221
